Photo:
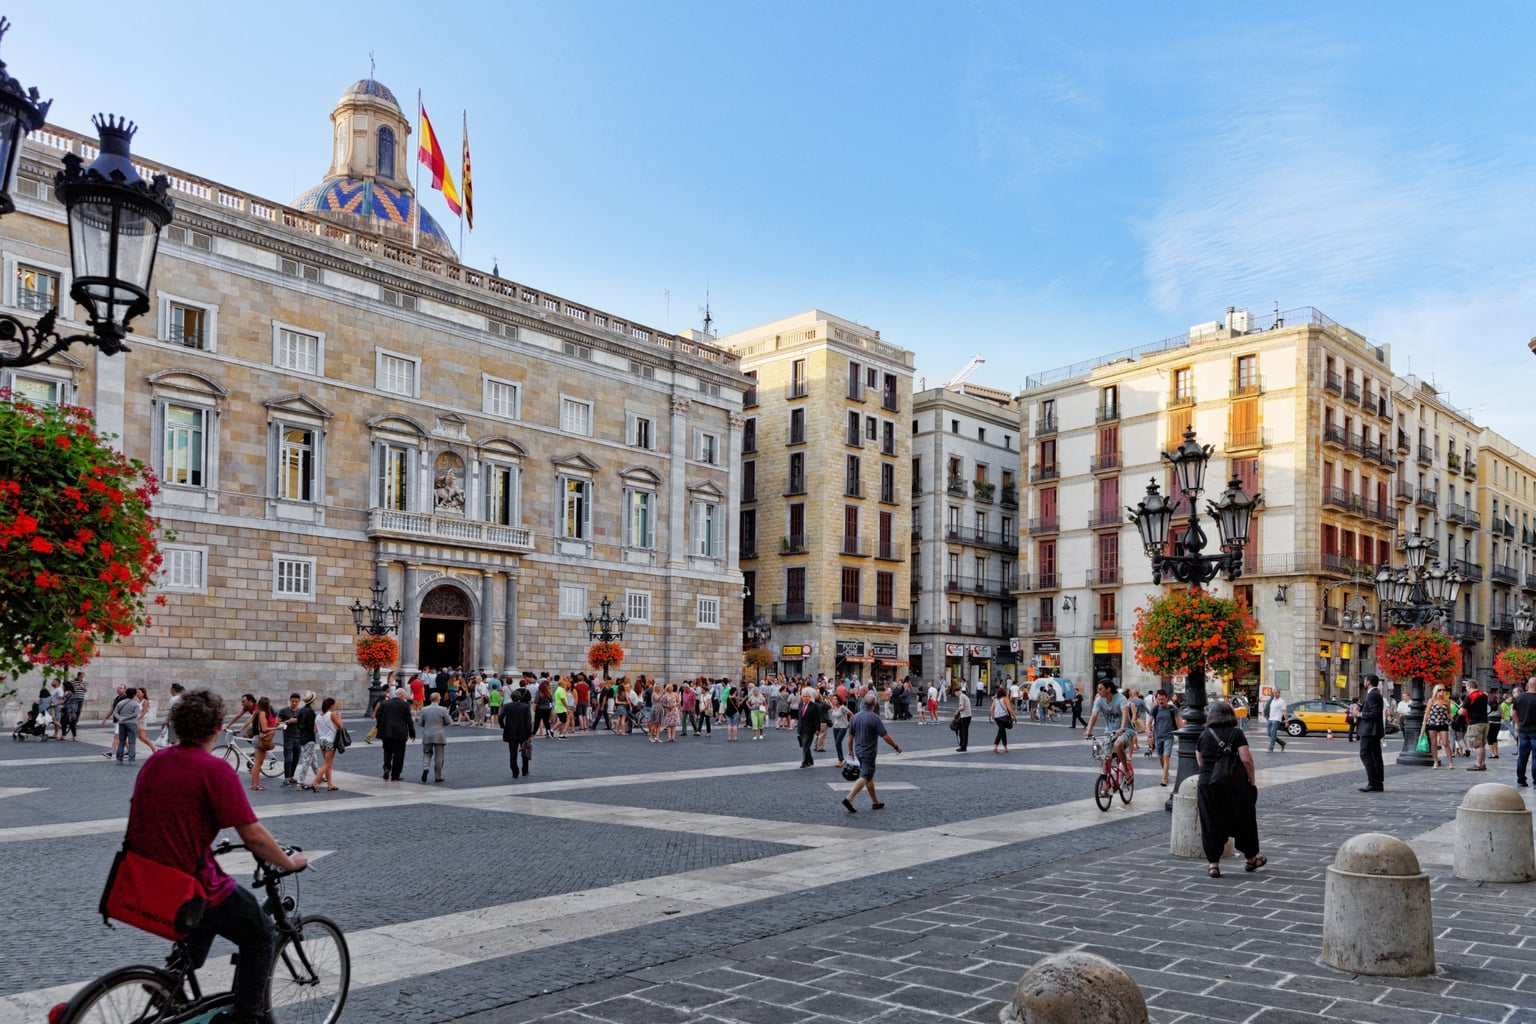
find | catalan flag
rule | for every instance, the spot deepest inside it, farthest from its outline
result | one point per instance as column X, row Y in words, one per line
column 431, row 154
column 469, row 188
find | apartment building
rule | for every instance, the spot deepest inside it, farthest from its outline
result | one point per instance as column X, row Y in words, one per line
column 825, row 515
column 1505, row 475
column 965, row 533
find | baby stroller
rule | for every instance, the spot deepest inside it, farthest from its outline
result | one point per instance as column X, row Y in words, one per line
column 35, row 724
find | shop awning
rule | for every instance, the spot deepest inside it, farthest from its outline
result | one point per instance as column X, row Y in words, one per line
column 860, row 658
column 894, row 661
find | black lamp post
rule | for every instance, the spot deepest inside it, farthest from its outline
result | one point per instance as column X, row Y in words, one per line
column 758, row 633
column 376, row 619
column 1153, row 517
column 605, row 628
column 1525, row 621
column 1419, row 595
column 115, row 219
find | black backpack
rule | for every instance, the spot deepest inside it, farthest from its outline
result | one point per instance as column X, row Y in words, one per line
column 1227, row 766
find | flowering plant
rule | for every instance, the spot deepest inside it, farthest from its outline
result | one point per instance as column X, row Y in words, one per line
column 1427, row 653
column 377, row 651
column 76, row 535
column 1189, row 629
column 605, row 655
column 1515, row 665
column 757, row 657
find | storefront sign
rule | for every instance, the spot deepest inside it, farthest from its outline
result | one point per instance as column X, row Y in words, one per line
column 882, row 650
column 1047, row 646
column 916, row 647
column 979, row 650
column 1258, row 644
column 954, row 650
column 794, row 652
column 850, row 648
column 1111, row 646
column 1014, row 646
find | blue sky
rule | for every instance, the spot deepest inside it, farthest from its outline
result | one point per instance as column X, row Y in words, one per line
column 1034, row 183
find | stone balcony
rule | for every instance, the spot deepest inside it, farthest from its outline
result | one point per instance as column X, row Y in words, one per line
column 383, row 522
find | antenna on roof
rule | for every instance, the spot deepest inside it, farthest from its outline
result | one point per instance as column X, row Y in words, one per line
column 1279, row 320
column 704, row 309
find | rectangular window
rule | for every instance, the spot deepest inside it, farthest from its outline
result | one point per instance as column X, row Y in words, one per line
column 1183, row 384
column 37, row 290
column 853, row 437
column 1109, row 402
column 706, row 447
column 296, row 351
column 501, row 398
column 576, row 416
column 797, row 538
column 639, row 528
column 576, row 508
column 749, row 435
column 797, row 426
column 293, row 579
column 888, row 393
column 749, row 533
column 296, row 464
column 888, row 483
column 855, row 382
column 888, row 438
column 797, row 384
column 850, row 529
column 706, row 529
column 397, row 374
column 794, row 587
column 708, row 616
column 183, row 567
column 637, row 605
column 395, row 477
column 573, row 601
column 850, row 587
column 1247, row 373
column 641, row 432
column 749, row 480
column 851, row 476
column 187, row 326
column 796, row 473
column 871, row 428
column 501, row 495
column 40, row 391
column 184, row 440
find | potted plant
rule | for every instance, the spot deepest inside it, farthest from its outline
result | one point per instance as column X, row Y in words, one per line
column 1190, row 630
column 375, row 652
column 605, row 655
column 1515, row 665
column 1420, row 654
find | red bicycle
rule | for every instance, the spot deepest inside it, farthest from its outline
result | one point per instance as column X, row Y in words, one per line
column 1116, row 777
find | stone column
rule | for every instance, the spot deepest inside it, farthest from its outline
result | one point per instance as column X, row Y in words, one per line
column 487, row 619
column 410, row 624
column 509, row 624
column 732, row 524
column 677, row 486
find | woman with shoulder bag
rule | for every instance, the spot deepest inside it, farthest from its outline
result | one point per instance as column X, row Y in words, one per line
column 264, row 740
column 1002, row 716
column 1228, row 791
column 961, row 723
column 327, row 725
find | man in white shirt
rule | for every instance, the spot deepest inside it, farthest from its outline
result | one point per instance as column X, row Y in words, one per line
column 1277, row 716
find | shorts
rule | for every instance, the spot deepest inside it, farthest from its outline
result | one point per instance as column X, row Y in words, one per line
column 933, row 707
column 1165, row 748
column 730, row 720
column 867, row 767
column 1437, row 728
column 1477, row 735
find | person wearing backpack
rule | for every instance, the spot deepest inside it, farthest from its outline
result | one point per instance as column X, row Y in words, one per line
column 1227, row 792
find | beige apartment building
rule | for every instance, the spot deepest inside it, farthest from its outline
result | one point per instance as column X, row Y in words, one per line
column 825, row 513
column 1506, row 506
column 326, row 405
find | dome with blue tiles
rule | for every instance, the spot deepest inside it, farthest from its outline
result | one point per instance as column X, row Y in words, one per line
column 388, row 208
column 368, row 87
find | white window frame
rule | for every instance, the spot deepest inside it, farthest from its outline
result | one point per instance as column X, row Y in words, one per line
column 631, row 496
column 706, row 447
column 204, row 429
column 13, row 265
column 15, row 380
column 637, row 606
column 573, row 601
column 632, row 429
column 382, row 354
column 280, row 448
column 490, row 470
column 707, row 612
column 491, row 406
column 569, row 409
column 279, row 329
column 383, row 447
column 289, row 571
column 183, row 568
column 563, row 526
column 706, row 531
column 210, row 310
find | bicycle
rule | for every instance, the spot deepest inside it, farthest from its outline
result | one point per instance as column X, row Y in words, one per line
column 311, row 972
column 242, row 757
column 1116, row 777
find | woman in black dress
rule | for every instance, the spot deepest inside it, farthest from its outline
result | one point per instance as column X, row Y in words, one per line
column 1228, row 791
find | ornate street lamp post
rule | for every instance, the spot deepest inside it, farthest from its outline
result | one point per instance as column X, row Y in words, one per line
column 376, row 619
column 758, row 633
column 1419, row 595
column 1153, row 516
column 1525, row 621
column 605, row 628
column 114, row 217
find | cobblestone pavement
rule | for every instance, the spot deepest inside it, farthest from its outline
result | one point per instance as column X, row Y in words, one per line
column 704, row 881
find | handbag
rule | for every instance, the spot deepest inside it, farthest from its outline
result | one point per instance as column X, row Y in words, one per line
column 343, row 740
column 1423, row 745
column 954, row 724
column 151, row 896
column 1006, row 721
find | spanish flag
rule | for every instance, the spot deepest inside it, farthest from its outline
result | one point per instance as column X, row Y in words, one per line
column 431, row 154
column 469, row 188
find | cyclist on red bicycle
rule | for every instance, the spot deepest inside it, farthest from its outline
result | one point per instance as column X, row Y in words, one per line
column 1114, row 707
column 183, row 797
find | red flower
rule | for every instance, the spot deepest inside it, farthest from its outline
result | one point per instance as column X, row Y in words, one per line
column 42, row 546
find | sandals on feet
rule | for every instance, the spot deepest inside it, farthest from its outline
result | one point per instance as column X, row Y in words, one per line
column 1214, row 872
column 1254, row 863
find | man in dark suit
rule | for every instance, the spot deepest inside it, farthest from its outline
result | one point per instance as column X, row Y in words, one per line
column 811, row 709
column 395, row 728
column 1373, row 727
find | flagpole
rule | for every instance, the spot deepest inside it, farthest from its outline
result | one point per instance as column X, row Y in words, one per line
column 464, row 131
column 416, row 213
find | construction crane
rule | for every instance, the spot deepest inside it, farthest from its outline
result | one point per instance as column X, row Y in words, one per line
column 965, row 371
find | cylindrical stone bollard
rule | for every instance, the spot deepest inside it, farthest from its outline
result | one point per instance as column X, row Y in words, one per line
column 1184, row 835
column 1493, row 836
column 1075, row 988
column 1376, row 910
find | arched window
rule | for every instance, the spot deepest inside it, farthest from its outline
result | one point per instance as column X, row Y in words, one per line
column 386, row 153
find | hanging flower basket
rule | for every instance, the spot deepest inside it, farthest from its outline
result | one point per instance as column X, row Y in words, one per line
column 377, row 651
column 1515, row 665
column 1427, row 653
column 77, row 538
column 605, row 655
column 757, row 658
column 1185, row 630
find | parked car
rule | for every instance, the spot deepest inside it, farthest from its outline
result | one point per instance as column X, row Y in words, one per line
column 1322, row 715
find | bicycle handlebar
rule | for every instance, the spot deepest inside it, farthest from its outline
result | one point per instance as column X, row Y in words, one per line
column 224, row 846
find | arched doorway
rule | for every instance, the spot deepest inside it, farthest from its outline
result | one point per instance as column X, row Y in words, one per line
column 445, row 625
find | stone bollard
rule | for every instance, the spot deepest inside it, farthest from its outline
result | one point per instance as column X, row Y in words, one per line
column 1376, row 910
column 1493, row 836
column 1075, row 988
column 1184, row 836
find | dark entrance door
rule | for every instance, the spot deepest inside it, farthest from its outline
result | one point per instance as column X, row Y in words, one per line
column 444, row 629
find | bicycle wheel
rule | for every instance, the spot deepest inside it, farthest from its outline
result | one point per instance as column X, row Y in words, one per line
column 311, row 974
column 128, row 995
column 1127, row 786
column 231, row 755
column 272, row 767
column 1103, row 792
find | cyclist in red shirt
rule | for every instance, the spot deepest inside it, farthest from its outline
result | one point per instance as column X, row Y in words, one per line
column 182, row 798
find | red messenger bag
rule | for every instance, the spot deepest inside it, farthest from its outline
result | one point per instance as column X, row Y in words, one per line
column 154, row 897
